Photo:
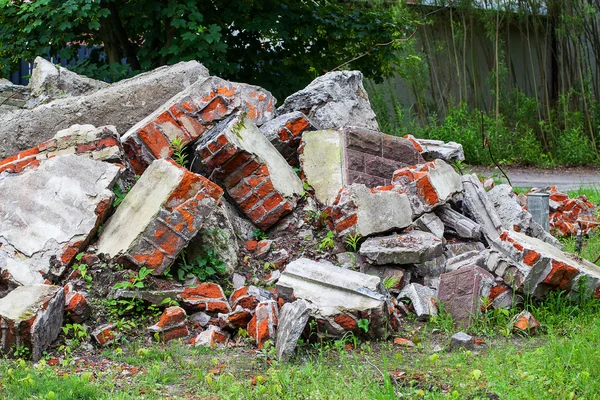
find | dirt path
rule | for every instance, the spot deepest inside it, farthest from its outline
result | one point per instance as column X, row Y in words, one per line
column 563, row 178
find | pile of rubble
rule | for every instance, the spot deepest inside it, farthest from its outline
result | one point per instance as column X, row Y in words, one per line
column 218, row 174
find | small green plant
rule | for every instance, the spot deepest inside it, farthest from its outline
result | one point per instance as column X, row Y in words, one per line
column 389, row 282
column 316, row 218
column 269, row 266
column 169, row 302
column 82, row 268
column 353, row 240
column 364, row 325
column 136, row 280
column 21, row 352
column 75, row 335
column 257, row 234
column 179, row 152
column 205, row 267
column 327, row 242
column 119, row 196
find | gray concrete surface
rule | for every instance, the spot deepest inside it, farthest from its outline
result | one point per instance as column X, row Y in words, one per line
column 564, row 179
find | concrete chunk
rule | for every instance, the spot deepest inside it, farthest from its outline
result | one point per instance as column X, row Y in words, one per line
column 252, row 171
column 334, row 100
column 293, row 318
column 121, row 104
column 332, row 159
column 49, row 213
column 457, row 224
column 367, row 211
column 479, row 206
column 340, row 297
column 159, row 216
column 422, row 299
column 438, row 149
column 412, row 247
column 429, row 222
column 462, row 340
column 285, row 133
column 31, row 316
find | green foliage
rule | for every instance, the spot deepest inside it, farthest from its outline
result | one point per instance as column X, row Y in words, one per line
column 389, row 282
column 316, row 218
column 22, row 352
column 257, row 234
column 327, row 242
column 206, row 266
column 364, row 325
column 353, row 240
column 180, row 155
column 119, row 196
column 136, row 280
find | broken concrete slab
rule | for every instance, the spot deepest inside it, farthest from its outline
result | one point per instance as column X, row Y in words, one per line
column 461, row 292
column 480, row 208
column 285, row 133
column 429, row 222
column 293, row 318
column 468, row 259
column 211, row 337
column 515, row 218
column 49, row 81
column 457, row 224
column 428, row 185
column 263, row 325
column 12, row 97
column 340, row 297
column 422, row 299
column 454, row 248
column 333, row 159
column 155, row 297
column 438, row 149
column 461, row 340
column 159, row 216
column 411, row 247
column 396, row 277
column 255, row 175
column 122, row 104
column 49, row 213
column 333, row 101
column 102, row 144
column 359, row 210
column 31, row 316
column 189, row 114
column 536, row 267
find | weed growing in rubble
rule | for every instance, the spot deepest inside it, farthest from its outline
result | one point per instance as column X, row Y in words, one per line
column 179, row 152
column 119, row 196
column 257, row 234
column 136, row 280
column 316, row 218
column 353, row 240
column 364, row 325
column 205, row 267
column 327, row 242
column 389, row 282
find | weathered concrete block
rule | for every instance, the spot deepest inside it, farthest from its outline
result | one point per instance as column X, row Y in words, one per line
column 461, row 292
column 192, row 112
column 340, row 297
column 428, row 185
column 49, row 81
column 285, row 133
column 31, row 316
column 76, row 305
column 429, row 222
column 293, row 318
column 333, row 159
column 263, row 325
column 366, row 211
column 252, row 171
column 422, row 299
column 479, row 206
column 412, row 247
column 211, row 337
column 160, row 215
column 49, row 213
column 515, row 218
column 538, row 267
column 333, row 101
column 454, row 248
column 461, row 340
column 101, row 144
column 438, row 149
column 457, row 224
column 122, row 104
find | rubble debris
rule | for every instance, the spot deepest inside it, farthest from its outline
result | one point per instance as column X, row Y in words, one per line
column 429, row 222
column 285, row 133
column 526, row 322
column 48, row 82
column 155, row 297
column 201, row 319
column 238, row 280
column 46, row 225
column 334, row 100
column 403, row 342
column 121, row 104
column 454, row 248
column 438, row 149
column 333, row 159
column 515, row 218
column 187, row 116
column 422, row 300
column 252, row 171
column 340, row 297
column 207, row 296
column 411, row 247
column 31, row 316
column 359, row 210
column 158, row 218
column 293, row 318
column 248, row 297
column 567, row 215
column 101, row 144
column 105, row 334
column 397, row 276
column 237, row 319
column 457, row 224
column 538, row 267
column 428, row 185
column 263, row 325
column 480, row 208
column 211, row 337
column 171, row 324
column 76, row 305
column 461, row 340
column 461, row 292
column 470, row 258
column 12, row 97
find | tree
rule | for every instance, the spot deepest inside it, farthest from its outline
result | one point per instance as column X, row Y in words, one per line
column 278, row 44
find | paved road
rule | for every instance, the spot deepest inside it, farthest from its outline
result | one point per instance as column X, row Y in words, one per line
column 564, row 179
